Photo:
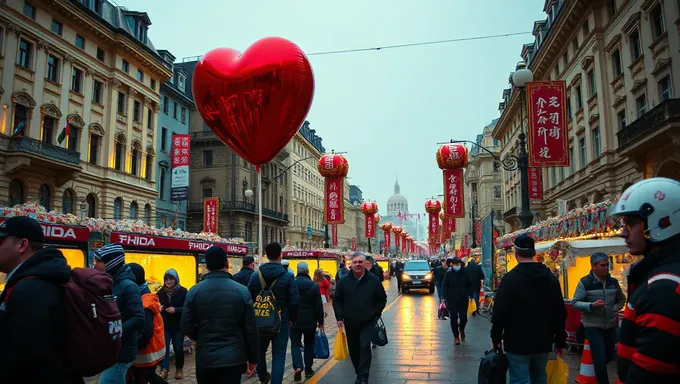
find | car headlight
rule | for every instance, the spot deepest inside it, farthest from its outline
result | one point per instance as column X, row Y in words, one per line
column 405, row 277
column 428, row 276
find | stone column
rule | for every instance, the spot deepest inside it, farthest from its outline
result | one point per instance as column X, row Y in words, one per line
column 87, row 106
column 12, row 45
column 40, row 70
column 130, row 121
column 108, row 141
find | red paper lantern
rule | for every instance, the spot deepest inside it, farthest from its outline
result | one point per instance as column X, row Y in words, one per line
column 452, row 156
column 369, row 209
column 334, row 167
column 433, row 207
column 386, row 226
column 397, row 238
column 376, row 218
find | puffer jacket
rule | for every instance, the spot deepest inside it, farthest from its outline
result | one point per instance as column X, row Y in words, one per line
column 218, row 314
column 285, row 290
column 311, row 312
column 129, row 299
column 589, row 290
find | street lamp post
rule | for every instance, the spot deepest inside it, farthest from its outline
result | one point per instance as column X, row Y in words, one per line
column 520, row 78
column 473, row 213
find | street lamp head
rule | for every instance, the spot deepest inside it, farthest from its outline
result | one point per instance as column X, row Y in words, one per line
column 249, row 193
column 522, row 75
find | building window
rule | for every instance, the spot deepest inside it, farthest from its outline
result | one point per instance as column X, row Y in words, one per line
column 147, row 166
column 572, row 161
column 165, row 104
column 45, row 197
column 147, row 214
column 91, row 205
column 641, row 105
column 134, row 169
column 126, row 66
column 161, row 184
column 582, row 149
column 579, row 98
column 566, row 58
column 665, row 89
column 586, row 29
column 174, row 109
column 595, row 138
column 80, row 42
column 635, row 45
column 616, row 63
column 164, row 139
column 184, row 115
column 101, row 55
column 140, row 76
column 137, row 111
column 621, row 117
column 119, row 156
column 73, row 139
column 657, row 20
column 207, row 191
column 153, row 84
column 77, row 80
column 93, row 150
column 29, row 11
column 68, row 202
column 133, row 210
column 57, row 28
column 611, row 9
column 49, row 125
column 207, row 159
column 497, row 192
column 117, row 208
column 53, row 69
column 121, row 103
column 25, row 54
column 592, row 84
column 569, row 112
column 149, row 119
column 574, row 44
column 98, row 92
column 180, row 82
column 16, row 193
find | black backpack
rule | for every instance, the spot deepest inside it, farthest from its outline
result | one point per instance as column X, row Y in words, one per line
column 493, row 368
column 267, row 311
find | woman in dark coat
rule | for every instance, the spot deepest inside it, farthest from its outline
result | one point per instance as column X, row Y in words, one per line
column 172, row 297
column 456, row 294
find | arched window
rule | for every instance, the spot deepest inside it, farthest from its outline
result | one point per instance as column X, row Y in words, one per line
column 136, row 157
column 16, row 193
column 161, row 184
column 68, row 201
column 117, row 208
column 45, row 197
column 281, row 204
column 91, row 201
column 119, row 159
column 133, row 210
column 147, row 214
column 148, row 164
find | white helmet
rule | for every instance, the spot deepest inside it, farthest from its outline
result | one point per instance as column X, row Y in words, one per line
column 657, row 202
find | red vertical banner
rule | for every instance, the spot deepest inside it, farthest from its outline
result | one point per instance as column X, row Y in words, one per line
column 453, row 193
column 548, row 135
column 433, row 227
column 334, row 235
column 386, row 239
column 211, row 206
column 465, row 240
column 370, row 225
column 535, row 185
column 413, row 248
column 478, row 232
column 397, row 242
column 335, row 191
column 354, row 243
column 452, row 226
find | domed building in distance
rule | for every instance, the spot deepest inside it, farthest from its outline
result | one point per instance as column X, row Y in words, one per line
column 397, row 213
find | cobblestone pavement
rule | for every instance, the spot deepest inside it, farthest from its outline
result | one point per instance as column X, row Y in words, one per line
column 420, row 349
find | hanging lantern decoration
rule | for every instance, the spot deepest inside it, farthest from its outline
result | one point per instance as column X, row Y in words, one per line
column 397, row 236
column 334, row 168
column 369, row 209
column 377, row 219
column 451, row 159
column 386, row 227
column 433, row 207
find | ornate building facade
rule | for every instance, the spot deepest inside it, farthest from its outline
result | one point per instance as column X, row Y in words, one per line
column 95, row 69
column 620, row 60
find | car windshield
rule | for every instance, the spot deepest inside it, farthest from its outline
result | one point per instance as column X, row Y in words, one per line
column 417, row 266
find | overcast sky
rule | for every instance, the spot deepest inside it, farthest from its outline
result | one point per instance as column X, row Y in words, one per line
column 387, row 109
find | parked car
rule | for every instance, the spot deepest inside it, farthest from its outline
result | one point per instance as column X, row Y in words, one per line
column 417, row 275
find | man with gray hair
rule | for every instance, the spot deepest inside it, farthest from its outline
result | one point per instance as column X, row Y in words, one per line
column 599, row 297
column 310, row 316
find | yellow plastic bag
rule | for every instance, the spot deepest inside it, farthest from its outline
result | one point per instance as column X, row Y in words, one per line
column 472, row 306
column 557, row 370
column 340, row 351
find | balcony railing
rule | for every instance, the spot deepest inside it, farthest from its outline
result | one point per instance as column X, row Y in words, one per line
column 242, row 206
column 649, row 122
column 203, row 135
column 42, row 149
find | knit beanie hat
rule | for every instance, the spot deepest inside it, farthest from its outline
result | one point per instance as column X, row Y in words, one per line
column 113, row 257
column 138, row 271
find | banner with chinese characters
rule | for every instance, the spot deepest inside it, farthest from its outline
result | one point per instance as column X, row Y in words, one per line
column 397, row 242
column 535, row 186
column 433, row 226
column 386, row 238
column 334, row 235
column 354, row 243
column 370, row 225
column 211, row 207
column 478, row 232
column 180, row 167
column 548, row 135
column 334, row 200
column 453, row 193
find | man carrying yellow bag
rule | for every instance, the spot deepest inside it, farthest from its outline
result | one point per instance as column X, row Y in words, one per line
column 472, row 306
column 340, row 352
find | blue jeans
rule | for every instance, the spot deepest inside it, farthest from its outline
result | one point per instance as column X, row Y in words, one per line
column 528, row 369
column 475, row 296
column 438, row 286
column 279, row 347
column 296, row 335
column 177, row 340
column 602, row 344
column 115, row 374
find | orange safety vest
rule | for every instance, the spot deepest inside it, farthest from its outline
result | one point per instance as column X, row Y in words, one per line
column 154, row 351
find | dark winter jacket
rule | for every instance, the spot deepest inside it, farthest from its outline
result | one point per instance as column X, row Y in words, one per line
column 358, row 301
column 342, row 272
column 219, row 316
column 378, row 272
column 243, row 276
column 589, row 290
column 171, row 321
column 475, row 275
column 527, row 293
column 129, row 300
column 456, row 288
column 310, row 312
column 32, row 322
column 650, row 331
column 439, row 273
column 285, row 290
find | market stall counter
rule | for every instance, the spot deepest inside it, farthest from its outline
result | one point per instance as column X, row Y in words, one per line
column 384, row 263
column 326, row 260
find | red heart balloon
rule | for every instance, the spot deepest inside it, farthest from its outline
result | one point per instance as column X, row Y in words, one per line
column 255, row 101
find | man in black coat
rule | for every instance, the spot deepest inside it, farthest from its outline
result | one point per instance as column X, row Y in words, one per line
column 398, row 273
column 32, row 318
column 456, row 290
column 310, row 316
column 359, row 301
column 219, row 316
column 528, row 292
column 374, row 268
column 476, row 276
column 243, row 276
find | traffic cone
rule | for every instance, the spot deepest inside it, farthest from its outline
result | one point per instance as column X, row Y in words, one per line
column 587, row 373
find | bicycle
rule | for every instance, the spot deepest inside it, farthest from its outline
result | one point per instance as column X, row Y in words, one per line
column 486, row 305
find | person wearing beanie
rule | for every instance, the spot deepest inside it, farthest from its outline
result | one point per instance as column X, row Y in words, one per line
column 218, row 314
column 111, row 259
column 151, row 339
column 599, row 296
column 172, row 297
